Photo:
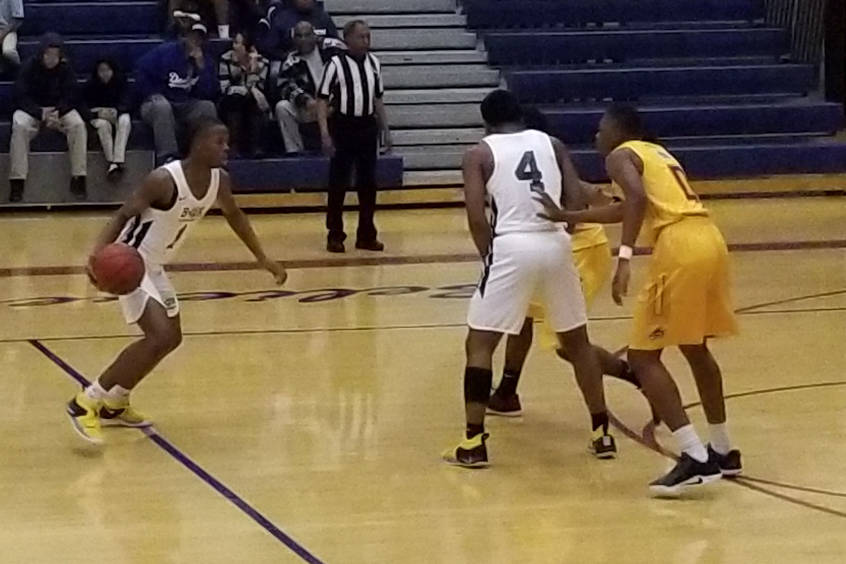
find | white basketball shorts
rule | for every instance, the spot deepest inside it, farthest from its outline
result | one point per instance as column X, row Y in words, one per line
column 155, row 285
column 522, row 266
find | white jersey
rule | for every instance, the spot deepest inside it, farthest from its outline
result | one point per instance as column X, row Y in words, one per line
column 523, row 162
column 158, row 234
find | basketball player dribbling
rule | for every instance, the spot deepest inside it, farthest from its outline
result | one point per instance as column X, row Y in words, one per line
column 686, row 299
column 524, row 256
column 156, row 220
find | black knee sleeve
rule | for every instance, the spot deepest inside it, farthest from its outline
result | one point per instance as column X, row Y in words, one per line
column 477, row 384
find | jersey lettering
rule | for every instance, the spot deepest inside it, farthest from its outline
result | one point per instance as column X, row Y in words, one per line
column 527, row 170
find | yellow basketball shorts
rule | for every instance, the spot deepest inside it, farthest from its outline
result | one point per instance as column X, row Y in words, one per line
column 594, row 265
column 687, row 297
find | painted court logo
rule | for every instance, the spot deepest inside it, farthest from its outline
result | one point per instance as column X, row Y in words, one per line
column 316, row 295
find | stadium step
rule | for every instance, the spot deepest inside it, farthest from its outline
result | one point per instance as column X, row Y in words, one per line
column 410, row 39
column 343, row 7
column 578, row 125
column 381, row 21
column 444, row 76
column 544, row 48
column 463, row 56
column 446, row 136
column 412, row 96
column 633, row 83
column 434, row 115
column 539, row 13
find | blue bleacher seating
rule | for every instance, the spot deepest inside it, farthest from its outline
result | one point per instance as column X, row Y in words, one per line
column 539, row 13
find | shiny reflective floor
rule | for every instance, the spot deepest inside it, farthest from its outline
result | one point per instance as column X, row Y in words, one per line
column 306, row 424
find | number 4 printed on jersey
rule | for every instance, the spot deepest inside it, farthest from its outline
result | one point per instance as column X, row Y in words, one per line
column 527, row 170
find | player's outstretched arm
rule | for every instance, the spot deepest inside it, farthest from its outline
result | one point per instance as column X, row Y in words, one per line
column 474, row 196
column 625, row 168
column 240, row 224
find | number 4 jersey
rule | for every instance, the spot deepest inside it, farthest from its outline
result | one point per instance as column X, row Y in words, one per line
column 670, row 197
column 158, row 233
column 524, row 163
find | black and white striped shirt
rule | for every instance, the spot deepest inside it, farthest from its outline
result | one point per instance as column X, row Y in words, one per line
column 352, row 85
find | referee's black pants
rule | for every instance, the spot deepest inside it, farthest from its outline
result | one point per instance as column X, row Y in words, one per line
column 356, row 142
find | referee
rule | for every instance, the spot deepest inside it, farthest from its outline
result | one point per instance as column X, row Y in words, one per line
column 352, row 84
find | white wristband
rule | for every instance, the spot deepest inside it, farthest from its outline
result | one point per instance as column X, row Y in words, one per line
column 625, row 252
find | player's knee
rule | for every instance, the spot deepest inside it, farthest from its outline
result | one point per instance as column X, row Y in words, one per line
column 166, row 341
column 575, row 342
column 563, row 354
column 642, row 360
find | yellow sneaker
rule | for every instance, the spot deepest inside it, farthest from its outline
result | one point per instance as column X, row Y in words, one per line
column 83, row 414
column 470, row 453
column 121, row 414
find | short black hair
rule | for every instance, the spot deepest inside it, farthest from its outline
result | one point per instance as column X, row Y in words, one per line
column 350, row 26
column 201, row 126
column 533, row 118
column 500, row 107
column 628, row 120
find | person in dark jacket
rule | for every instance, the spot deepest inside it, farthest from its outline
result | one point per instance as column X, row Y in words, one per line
column 281, row 20
column 109, row 100
column 177, row 84
column 301, row 75
column 46, row 94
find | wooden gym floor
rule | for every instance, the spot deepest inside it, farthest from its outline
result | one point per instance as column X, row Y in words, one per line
column 306, row 425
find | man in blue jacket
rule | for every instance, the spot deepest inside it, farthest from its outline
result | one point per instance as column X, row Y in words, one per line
column 283, row 17
column 177, row 83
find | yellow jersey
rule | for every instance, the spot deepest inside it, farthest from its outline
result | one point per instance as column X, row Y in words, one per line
column 588, row 235
column 670, row 198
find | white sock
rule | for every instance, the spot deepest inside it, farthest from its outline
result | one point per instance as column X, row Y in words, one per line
column 688, row 441
column 720, row 438
column 223, row 31
column 96, row 392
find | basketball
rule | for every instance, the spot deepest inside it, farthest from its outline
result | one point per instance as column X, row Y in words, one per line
column 118, row 269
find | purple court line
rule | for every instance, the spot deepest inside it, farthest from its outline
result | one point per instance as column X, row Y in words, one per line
column 389, row 261
column 183, row 459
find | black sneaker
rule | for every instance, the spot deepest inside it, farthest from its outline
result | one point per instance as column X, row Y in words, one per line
column 78, row 187
column 470, row 453
column 688, row 473
column 729, row 463
column 602, row 445
column 373, row 245
column 16, row 190
column 115, row 172
column 505, row 406
column 335, row 246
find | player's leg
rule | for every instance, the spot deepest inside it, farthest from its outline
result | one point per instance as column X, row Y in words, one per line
column 505, row 401
column 589, row 378
column 478, row 376
column 498, row 306
column 108, row 396
column 709, row 382
column 694, row 466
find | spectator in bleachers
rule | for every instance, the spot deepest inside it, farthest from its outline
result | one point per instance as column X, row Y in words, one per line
column 221, row 12
column 282, row 19
column 245, row 15
column 177, row 84
column 243, row 79
column 301, row 74
column 11, row 18
column 46, row 94
column 109, row 100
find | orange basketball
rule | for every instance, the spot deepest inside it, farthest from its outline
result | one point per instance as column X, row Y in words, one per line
column 118, row 269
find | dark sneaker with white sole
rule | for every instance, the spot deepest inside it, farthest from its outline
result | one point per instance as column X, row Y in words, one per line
column 505, row 406
column 687, row 473
column 602, row 445
column 729, row 463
